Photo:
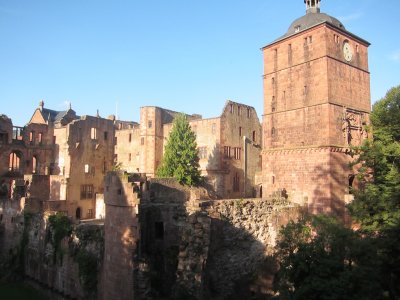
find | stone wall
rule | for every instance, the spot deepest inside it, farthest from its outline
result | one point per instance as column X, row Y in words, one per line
column 208, row 249
column 121, row 237
column 27, row 250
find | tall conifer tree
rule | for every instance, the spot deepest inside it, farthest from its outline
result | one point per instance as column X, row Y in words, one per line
column 181, row 159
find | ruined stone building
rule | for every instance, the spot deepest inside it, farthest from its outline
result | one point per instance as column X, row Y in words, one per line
column 229, row 146
column 316, row 106
column 69, row 156
column 74, row 153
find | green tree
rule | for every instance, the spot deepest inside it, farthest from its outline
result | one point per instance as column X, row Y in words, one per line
column 377, row 205
column 321, row 259
column 181, row 159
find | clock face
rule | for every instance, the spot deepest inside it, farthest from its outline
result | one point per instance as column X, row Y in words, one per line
column 347, row 51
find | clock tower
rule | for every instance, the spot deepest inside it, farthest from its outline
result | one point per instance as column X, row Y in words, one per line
column 316, row 106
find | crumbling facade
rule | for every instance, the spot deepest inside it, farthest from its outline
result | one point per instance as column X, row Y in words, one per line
column 73, row 152
column 229, row 146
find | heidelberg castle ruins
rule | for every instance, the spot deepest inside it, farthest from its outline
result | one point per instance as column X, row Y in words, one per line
column 316, row 105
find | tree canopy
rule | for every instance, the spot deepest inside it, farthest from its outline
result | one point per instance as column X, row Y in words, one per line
column 181, row 159
column 322, row 259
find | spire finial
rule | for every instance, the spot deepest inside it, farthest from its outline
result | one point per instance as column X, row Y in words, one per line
column 313, row 6
column 41, row 105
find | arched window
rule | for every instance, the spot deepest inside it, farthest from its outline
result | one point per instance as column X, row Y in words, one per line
column 15, row 161
column 35, row 165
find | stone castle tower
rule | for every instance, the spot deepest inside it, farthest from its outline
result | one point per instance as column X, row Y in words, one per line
column 316, row 105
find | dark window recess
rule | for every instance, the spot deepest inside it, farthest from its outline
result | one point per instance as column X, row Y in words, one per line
column 105, row 135
column 159, row 230
column 87, row 191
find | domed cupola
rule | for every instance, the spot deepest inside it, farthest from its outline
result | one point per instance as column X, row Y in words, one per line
column 313, row 6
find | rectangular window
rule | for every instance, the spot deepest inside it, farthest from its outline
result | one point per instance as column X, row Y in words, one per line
column 239, row 110
column 232, row 109
column 40, row 137
column 54, row 140
column 236, row 183
column 31, row 136
column 227, row 151
column 87, row 169
column 130, row 137
column 240, row 131
column 105, row 135
column 93, row 133
column 104, row 166
column 142, row 141
column 86, row 191
column 159, row 230
column 150, row 124
column 115, row 140
column 213, row 128
column 3, row 138
column 248, row 113
column 130, row 157
column 254, row 135
column 202, row 152
column 90, row 213
column 237, row 153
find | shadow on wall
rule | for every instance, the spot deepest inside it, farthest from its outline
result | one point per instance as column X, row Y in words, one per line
column 213, row 249
column 334, row 184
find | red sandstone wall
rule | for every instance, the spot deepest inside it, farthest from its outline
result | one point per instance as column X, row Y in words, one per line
column 121, row 231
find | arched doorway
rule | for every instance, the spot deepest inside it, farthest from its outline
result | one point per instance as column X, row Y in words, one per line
column 78, row 213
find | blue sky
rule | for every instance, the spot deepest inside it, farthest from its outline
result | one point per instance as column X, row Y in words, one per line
column 188, row 56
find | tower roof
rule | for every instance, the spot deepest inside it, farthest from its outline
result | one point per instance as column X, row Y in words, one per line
column 312, row 18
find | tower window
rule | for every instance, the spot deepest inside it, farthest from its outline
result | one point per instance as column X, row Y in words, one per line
column 236, row 183
column 150, row 124
column 93, row 133
column 232, row 108
column 240, row 131
column 248, row 112
column 142, row 141
column 310, row 39
column 130, row 137
column 254, row 135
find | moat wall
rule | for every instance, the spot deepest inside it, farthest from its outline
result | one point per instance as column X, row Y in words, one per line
column 70, row 269
column 210, row 249
column 172, row 242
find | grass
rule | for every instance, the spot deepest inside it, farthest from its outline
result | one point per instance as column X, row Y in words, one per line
column 19, row 291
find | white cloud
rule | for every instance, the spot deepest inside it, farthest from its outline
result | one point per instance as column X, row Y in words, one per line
column 351, row 17
column 395, row 56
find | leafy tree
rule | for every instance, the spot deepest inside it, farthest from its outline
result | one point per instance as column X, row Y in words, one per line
column 321, row 259
column 181, row 159
column 377, row 205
